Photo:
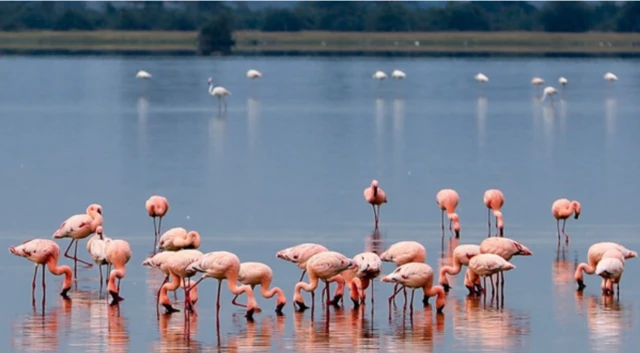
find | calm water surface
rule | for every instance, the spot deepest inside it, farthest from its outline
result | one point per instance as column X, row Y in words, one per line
column 288, row 163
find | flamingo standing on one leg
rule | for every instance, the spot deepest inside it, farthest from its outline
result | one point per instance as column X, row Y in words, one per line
column 97, row 247
column 594, row 255
column 448, row 200
column 223, row 265
column 118, row 254
column 563, row 209
column 504, row 247
column 79, row 227
column 157, row 207
column 484, row 265
column 44, row 252
column 257, row 273
column 300, row 254
column 416, row 275
column 402, row 253
column 178, row 265
column 462, row 254
column 376, row 197
column 325, row 266
column 494, row 200
column 178, row 238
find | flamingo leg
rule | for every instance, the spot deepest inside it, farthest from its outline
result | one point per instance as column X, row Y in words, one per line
column 372, row 292
column 166, row 279
column 412, row 293
column 497, row 229
column 442, row 222
column 375, row 215
column 395, row 292
column 33, row 286
column 489, row 221
column 155, row 235
column 218, row 299
column 404, row 291
column 302, row 276
column 564, row 222
column 44, row 287
column 75, row 256
column 101, row 278
column 234, row 302
column 378, row 217
column 558, row 227
column 118, row 285
column 159, row 225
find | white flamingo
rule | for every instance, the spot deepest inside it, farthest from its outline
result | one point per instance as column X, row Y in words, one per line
column 610, row 77
column 253, row 74
column 379, row 75
column 563, row 81
column 219, row 92
column 398, row 75
column 549, row 91
column 143, row 75
column 537, row 81
column 482, row 78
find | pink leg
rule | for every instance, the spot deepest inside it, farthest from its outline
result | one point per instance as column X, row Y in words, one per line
column 302, row 276
column 75, row 256
column 489, row 221
column 375, row 215
column 33, row 287
column 234, row 302
column 155, row 235
column 564, row 222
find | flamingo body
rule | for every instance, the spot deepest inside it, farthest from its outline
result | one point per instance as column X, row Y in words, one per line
column 375, row 196
column 461, row 256
column 398, row 75
column 257, row 273
column 481, row 78
column 178, row 238
column 415, row 275
column 494, row 200
column 447, row 200
column 143, row 75
column 594, row 255
column 118, row 255
column 253, row 74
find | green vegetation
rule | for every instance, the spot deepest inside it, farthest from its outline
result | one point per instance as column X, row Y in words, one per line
column 315, row 26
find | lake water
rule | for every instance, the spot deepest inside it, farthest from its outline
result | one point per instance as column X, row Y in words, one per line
column 288, row 163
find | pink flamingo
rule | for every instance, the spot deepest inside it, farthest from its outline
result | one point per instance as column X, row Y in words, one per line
column 358, row 280
column 563, row 209
column 504, row 247
column 300, row 254
column 461, row 256
column 416, row 275
column 178, row 265
column 177, row 238
column 160, row 261
column 118, row 254
column 44, row 252
column 404, row 252
column 325, row 266
column 97, row 247
column 610, row 268
column 448, row 200
column 376, row 197
column 494, row 200
column 484, row 265
column 223, row 265
column 79, row 227
column 594, row 255
column 256, row 273
column 157, row 206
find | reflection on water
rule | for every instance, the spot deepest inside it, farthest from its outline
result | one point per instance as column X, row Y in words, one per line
column 38, row 331
column 481, row 115
column 176, row 332
column 488, row 329
column 609, row 321
column 260, row 335
column 398, row 135
column 610, row 117
column 415, row 331
column 562, row 114
column 217, row 127
column 379, row 121
column 253, row 117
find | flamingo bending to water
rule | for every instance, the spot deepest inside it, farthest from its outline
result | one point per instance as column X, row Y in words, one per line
column 160, row 261
column 401, row 253
column 416, row 275
column 494, row 200
column 178, row 238
column 462, row 254
column 257, row 273
column 594, row 255
column 118, row 254
column 143, row 75
column 447, row 200
column 179, row 267
column 300, row 254
column 610, row 268
column 483, row 265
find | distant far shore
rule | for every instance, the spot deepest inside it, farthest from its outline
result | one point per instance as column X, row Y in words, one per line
column 327, row 43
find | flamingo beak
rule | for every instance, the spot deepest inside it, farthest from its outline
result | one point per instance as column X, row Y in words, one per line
column 502, row 232
column 457, row 234
column 576, row 216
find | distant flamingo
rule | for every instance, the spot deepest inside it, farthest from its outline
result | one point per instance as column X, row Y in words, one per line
column 494, row 200
column 177, row 238
column 401, row 253
column 447, row 200
column 256, row 273
column 461, row 256
column 253, row 74
column 481, row 78
column 416, row 275
column 118, row 254
column 97, row 247
column 157, row 206
column 79, row 227
column 223, row 265
column 44, row 252
column 325, row 266
column 610, row 268
column 376, row 197
column 160, row 261
column 610, row 77
column 143, row 75
column 563, row 209
column 504, row 247
column 484, row 265
column 537, row 81
column 398, row 75
column 379, row 75
column 563, row 82
column 179, row 267
column 300, row 254
column 549, row 92
column 219, row 92
column 594, row 255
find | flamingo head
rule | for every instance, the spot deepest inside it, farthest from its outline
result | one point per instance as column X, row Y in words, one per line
column 94, row 209
column 209, row 81
column 375, row 184
column 576, row 209
column 99, row 231
column 456, row 223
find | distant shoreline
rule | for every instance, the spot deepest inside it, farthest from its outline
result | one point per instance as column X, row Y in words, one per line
column 253, row 43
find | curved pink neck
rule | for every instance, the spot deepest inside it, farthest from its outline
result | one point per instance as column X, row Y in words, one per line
column 169, row 286
column 118, row 272
column 56, row 270
column 308, row 287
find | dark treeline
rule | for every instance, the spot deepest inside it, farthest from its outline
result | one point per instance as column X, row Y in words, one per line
column 558, row 16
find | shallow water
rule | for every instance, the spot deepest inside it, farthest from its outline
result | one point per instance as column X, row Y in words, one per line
column 287, row 164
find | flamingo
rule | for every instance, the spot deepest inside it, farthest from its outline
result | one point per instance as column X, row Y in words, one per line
column 325, row 266
column 563, row 81
column 504, row 247
column 219, row 92
column 563, row 209
column 358, row 280
column 494, row 200
column 376, row 197
column 550, row 92
column 253, row 74
column 594, row 255
column 610, row 268
column 118, row 254
column 379, row 75
column 44, row 252
column 223, row 265
column 143, row 75
column 416, row 275
column 537, row 81
column 610, row 77
column 160, row 262
column 79, row 227
column 398, row 75
column 157, row 207
column 481, row 78
column 97, row 247
column 483, row 265
column 256, row 273
column 402, row 253
column 177, row 238
column 179, row 268
column 300, row 254
column 447, row 200
column 461, row 256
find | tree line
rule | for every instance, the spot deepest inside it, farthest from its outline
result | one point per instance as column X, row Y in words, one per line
column 553, row 16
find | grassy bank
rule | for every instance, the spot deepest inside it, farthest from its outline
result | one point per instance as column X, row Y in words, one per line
column 253, row 42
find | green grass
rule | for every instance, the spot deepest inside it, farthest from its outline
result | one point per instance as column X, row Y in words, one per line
column 164, row 42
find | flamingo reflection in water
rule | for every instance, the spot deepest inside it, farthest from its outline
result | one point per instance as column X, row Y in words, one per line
column 38, row 331
column 420, row 332
column 258, row 335
column 176, row 334
column 608, row 320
